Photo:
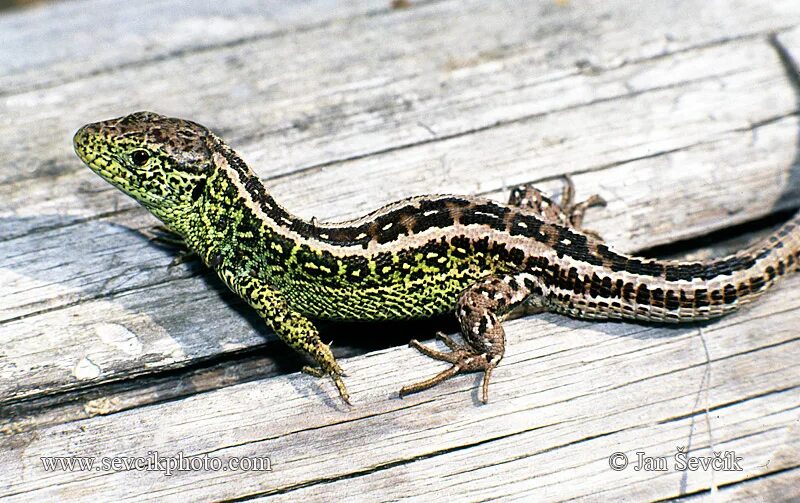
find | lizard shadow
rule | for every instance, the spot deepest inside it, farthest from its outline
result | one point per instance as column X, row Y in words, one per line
column 117, row 270
column 724, row 242
column 63, row 256
column 730, row 240
column 109, row 273
column 358, row 337
column 790, row 66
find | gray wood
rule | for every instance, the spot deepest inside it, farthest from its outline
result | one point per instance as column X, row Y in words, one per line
column 681, row 115
column 48, row 46
column 683, row 119
column 568, row 395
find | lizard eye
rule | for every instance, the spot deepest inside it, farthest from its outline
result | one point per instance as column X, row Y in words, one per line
column 140, row 157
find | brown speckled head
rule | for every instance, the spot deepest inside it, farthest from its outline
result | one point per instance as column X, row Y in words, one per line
column 161, row 162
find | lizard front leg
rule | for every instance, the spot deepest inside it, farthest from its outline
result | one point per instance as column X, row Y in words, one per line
column 480, row 310
column 291, row 327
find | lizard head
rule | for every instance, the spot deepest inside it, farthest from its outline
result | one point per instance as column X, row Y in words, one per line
column 160, row 161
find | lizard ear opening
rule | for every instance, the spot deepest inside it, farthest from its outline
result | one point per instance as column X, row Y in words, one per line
column 199, row 188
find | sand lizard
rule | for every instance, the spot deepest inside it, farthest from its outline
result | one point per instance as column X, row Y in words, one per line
column 415, row 258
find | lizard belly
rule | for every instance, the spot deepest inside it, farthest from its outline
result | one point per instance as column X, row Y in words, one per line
column 401, row 298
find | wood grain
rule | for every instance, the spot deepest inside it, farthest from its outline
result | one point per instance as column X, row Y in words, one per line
column 567, row 396
column 683, row 128
column 681, row 115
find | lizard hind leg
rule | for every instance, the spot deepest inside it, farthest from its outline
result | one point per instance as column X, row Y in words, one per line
column 529, row 197
column 479, row 311
column 565, row 211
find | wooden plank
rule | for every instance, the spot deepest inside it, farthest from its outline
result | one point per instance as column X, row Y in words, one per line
column 755, row 157
column 527, row 151
column 580, row 468
column 88, row 198
column 303, row 108
column 41, row 50
column 641, row 110
column 568, row 394
column 162, row 309
column 779, row 486
column 251, row 362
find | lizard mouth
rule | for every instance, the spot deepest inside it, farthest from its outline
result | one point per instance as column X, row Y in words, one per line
column 85, row 143
column 91, row 147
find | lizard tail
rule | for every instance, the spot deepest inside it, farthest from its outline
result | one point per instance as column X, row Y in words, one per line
column 679, row 291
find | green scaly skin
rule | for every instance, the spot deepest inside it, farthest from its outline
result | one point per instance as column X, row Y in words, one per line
column 415, row 258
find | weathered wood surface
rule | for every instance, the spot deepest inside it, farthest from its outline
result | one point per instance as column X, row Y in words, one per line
column 682, row 116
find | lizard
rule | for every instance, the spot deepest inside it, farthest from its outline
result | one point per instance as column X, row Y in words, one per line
column 414, row 258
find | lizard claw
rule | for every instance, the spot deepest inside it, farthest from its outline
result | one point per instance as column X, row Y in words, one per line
column 336, row 377
column 462, row 359
column 183, row 258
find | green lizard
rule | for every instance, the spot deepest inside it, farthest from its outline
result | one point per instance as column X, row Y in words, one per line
column 415, row 258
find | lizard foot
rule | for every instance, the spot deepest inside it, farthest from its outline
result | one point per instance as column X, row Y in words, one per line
column 335, row 375
column 183, row 258
column 564, row 211
column 576, row 211
column 463, row 359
